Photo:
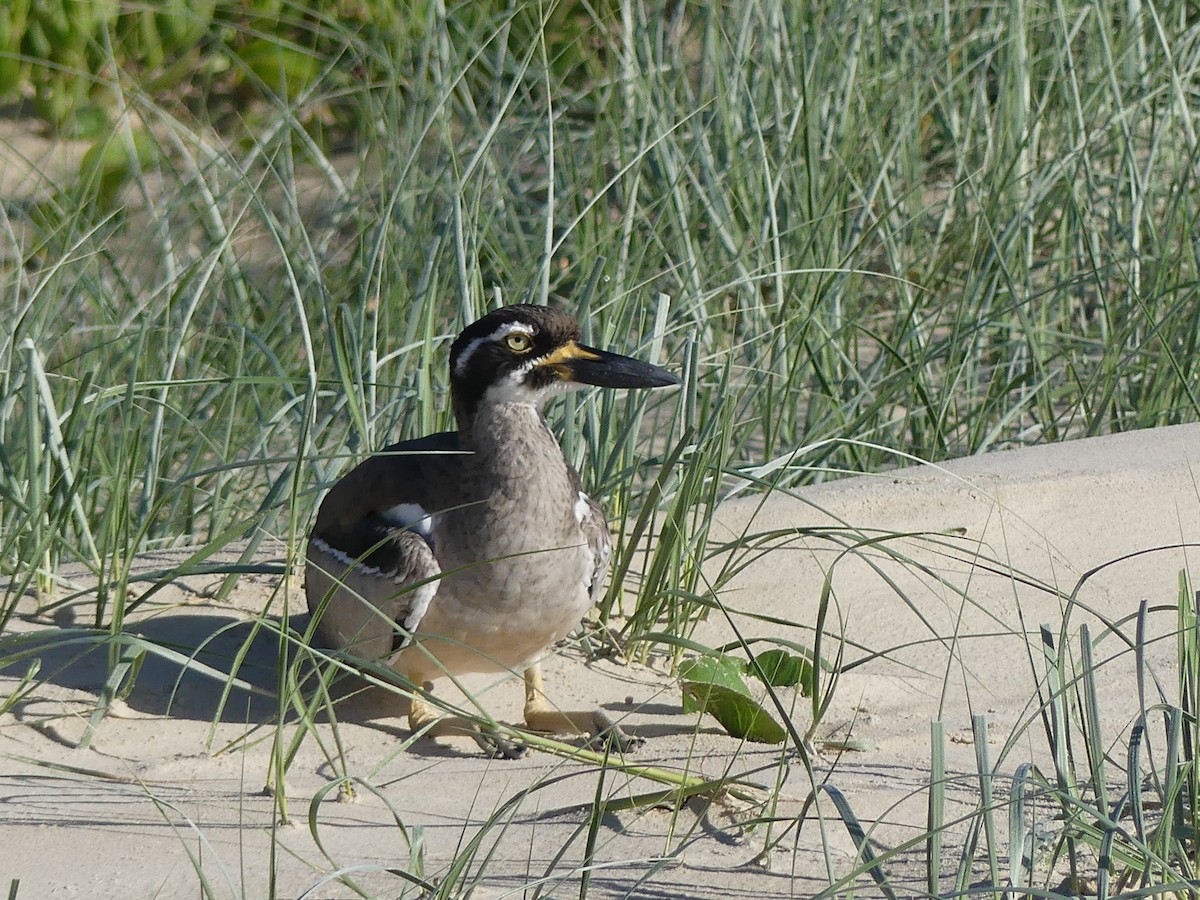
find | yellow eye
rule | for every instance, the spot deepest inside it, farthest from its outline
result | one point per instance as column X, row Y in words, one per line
column 519, row 342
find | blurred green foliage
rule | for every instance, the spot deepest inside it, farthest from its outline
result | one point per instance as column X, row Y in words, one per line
column 223, row 56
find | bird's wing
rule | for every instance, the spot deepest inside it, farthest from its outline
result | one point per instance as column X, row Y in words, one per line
column 371, row 564
column 595, row 527
column 595, row 530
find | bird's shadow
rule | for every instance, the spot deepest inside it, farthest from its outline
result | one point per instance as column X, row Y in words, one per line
column 219, row 667
column 212, row 667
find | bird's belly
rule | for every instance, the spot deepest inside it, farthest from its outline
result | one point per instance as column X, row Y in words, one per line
column 502, row 614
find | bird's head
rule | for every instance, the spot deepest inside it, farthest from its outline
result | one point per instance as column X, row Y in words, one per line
column 527, row 354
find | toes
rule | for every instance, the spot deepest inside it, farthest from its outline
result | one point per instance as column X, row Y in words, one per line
column 607, row 732
column 496, row 745
column 628, row 743
column 615, row 741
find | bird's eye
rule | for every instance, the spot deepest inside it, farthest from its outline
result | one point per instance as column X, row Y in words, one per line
column 519, row 342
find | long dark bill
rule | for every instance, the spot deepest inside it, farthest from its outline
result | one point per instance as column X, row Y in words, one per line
column 612, row 370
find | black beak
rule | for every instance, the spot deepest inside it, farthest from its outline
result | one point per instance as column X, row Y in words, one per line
column 612, row 370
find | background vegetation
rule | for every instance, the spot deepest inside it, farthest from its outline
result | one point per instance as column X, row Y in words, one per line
column 859, row 230
column 935, row 231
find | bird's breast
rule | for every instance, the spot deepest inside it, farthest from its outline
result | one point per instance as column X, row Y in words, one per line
column 516, row 563
column 506, row 597
column 512, row 555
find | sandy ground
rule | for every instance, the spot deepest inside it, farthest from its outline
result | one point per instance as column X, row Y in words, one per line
column 937, row 617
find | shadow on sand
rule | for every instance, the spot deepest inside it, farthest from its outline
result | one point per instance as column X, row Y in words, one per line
column 204, row 666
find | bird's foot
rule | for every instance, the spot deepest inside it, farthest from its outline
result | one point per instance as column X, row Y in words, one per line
column 489, row 738
column 541, row 715
column 497, row 745
column 607, row 733
column 597, row 725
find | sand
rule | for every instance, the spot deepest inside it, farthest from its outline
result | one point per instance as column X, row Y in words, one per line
column 939, row 580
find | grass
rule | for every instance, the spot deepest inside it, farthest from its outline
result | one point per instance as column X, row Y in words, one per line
column 861, row 234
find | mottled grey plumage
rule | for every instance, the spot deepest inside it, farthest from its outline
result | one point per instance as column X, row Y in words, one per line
column 472, row 550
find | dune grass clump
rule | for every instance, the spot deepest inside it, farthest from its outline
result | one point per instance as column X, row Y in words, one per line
column 908, row 231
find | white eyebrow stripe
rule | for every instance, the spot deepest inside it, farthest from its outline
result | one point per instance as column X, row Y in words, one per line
column 503, row 331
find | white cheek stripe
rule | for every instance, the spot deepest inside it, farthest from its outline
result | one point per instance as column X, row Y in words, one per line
column 581, row 507
column 513, row 389
column 460, row 366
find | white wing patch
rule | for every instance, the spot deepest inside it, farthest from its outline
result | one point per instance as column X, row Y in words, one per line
column 356, row 564
column 581, row 507
column 421, row 597
column 411, row 516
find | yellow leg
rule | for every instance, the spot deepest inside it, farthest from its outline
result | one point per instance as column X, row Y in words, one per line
column 424, row 717
column 540, row 715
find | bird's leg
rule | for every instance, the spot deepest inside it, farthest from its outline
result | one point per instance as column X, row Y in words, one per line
column 541, row 716
column 423, row 716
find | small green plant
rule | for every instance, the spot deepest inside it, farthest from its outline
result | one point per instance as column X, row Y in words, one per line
column 715, row 684
column 69, row 53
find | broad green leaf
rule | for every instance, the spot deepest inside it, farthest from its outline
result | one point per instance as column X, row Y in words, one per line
column 283, row 68
column 783, row 669
column 739, row 714
column 725, row 671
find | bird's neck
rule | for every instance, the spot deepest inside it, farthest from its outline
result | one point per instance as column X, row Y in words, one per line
column 506, row 431
column 516, row 459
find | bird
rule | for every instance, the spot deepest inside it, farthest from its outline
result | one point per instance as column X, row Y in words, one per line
column 475, row 550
